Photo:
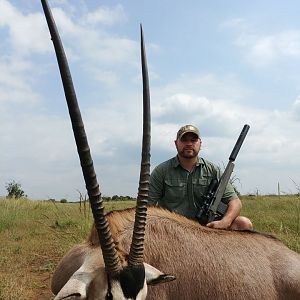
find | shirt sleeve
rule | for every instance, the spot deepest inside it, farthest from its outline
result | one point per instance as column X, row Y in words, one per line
column 156, row 187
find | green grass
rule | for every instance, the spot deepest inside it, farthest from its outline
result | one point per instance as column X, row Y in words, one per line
column 277, row 215
column 34, row 235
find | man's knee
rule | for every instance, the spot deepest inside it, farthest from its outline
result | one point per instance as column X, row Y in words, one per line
column 241, row 223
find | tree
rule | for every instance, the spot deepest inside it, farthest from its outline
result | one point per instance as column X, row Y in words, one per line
column 14, row 190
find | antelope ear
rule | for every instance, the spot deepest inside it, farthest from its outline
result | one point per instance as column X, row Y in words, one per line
column 78, row 286
column 154, row 276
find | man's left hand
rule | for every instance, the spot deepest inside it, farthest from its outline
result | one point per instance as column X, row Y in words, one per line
column 221, row 224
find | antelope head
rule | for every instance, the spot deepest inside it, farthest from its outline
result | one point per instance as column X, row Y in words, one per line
column 115, row 279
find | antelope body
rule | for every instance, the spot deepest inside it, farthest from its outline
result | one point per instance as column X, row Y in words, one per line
column 208, row 263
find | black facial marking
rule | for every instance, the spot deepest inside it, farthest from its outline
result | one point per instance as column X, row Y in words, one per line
column 132, row 280
column 73, row 295
column 109, row 296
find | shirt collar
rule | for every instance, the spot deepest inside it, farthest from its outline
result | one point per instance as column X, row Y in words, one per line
column 176, row 161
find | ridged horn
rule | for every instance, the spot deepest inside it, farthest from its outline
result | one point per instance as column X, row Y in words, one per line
column 136, row 254
column 110, row 255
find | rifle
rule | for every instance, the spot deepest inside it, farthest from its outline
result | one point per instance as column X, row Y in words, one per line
column 213, row 208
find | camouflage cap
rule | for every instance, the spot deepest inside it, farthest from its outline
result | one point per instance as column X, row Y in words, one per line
column 185, row 129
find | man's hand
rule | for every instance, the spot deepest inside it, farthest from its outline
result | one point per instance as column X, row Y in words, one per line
column 233, row 210
column 221, row 224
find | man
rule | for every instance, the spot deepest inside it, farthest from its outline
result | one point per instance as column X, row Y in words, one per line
column 180, row 183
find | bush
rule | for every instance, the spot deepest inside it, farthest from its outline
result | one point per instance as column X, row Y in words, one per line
column 63, row 200
column 14, row 190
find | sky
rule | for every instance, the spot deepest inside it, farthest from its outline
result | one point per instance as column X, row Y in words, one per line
column 215, row 64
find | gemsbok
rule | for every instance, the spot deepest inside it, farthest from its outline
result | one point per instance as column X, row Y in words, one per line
column 126, row 257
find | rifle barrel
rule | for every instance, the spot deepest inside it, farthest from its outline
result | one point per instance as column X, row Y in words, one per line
column 239, row 143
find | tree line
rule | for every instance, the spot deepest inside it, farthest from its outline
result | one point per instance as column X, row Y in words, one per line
column 14, row 190
column 118, row 198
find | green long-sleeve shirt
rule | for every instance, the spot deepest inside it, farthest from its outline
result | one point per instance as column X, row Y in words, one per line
column 175, row 188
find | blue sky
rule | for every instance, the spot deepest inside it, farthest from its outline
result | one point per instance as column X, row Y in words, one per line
column 215, row 64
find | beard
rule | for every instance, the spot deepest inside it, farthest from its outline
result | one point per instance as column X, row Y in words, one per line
column 188, row 153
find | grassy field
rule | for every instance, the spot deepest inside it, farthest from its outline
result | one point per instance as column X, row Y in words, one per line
column 34, row 235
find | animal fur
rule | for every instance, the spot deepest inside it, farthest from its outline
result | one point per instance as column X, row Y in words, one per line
column 208, row 263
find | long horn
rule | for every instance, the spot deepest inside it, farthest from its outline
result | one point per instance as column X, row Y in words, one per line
column 110, row 255
column 137, row 245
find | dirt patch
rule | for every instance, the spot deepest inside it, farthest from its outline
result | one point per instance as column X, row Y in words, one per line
column 41, row 289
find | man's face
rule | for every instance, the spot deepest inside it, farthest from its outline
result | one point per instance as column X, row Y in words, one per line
column 188, row 146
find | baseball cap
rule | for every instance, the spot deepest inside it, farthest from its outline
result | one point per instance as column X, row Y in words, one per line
column 185, row 129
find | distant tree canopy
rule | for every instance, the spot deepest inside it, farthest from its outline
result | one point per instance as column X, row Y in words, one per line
column 118, row 198
column 14, row 190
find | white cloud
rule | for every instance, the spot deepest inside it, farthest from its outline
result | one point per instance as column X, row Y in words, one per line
column 27, row 33
column 37, row 150
column 264, row 49
column 182, row 105
column 102, row 55
column 296, row 108
column 14, row 83
column 106, row 15
column 202, row 99
column 238, row 24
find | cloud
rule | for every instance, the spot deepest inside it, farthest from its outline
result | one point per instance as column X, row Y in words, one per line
column 102, row 55
column 269, row 49
column 36, row 151
column 106, row 15
column 237, row 24
column 27, row 35
column 296, row 109
column 264, row 49
column 202, row 99
column 15, row 85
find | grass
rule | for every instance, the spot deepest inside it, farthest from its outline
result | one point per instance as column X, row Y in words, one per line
column 34, row 235
column 277, row 215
